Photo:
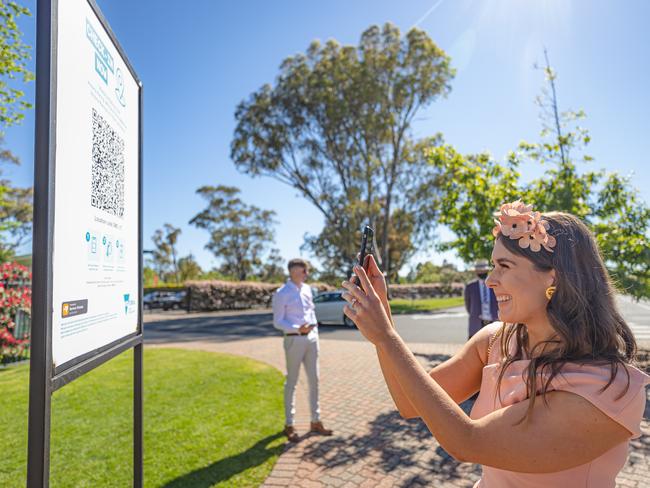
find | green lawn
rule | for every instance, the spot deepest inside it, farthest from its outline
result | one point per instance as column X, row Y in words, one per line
column 209, row 420
column 424, row 305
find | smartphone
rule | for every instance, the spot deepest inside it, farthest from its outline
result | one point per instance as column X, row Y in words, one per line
column 367, row 240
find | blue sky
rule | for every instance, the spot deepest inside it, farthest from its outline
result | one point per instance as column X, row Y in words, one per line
column 199, row 59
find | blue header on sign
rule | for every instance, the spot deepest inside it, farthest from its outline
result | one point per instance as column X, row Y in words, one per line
column 103, row 59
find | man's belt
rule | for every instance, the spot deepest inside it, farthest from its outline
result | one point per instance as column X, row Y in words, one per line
column 298, row 333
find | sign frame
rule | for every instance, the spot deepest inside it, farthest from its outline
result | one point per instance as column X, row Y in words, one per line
column 44, row 377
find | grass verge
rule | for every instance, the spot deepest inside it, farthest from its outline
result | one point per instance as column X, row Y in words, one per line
column 209, row 420
column 401, row 306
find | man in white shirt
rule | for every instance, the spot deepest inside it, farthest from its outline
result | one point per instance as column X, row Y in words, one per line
column 294, row 314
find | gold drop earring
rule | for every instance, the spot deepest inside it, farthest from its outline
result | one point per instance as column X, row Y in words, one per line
column 549, row 292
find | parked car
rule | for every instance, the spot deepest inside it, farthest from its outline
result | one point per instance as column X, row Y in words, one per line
column 174, row 300
column 152, row 299
column 329, row 308
column 166, row 300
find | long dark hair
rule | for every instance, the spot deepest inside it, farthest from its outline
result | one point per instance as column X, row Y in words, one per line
column 588, row 326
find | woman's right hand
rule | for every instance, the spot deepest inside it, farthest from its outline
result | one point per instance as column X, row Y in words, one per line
column 375, row 276
column 377, row 280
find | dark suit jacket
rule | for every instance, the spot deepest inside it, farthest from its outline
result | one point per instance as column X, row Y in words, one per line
column 473, row 306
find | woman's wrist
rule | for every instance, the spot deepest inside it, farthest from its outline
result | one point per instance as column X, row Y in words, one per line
column 390, row 339
column 386, row 305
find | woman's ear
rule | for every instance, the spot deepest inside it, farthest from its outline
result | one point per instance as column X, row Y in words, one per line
column 552, row 280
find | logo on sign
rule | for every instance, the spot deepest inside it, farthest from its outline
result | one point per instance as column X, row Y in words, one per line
column 74, row 307
column 129, row 304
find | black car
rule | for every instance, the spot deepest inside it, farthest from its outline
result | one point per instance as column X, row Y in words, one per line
column 152, row 299
column 174, row 300
column 167, row 300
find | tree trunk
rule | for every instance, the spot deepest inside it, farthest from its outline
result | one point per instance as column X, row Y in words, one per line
column 175, row 264
column 386, row 245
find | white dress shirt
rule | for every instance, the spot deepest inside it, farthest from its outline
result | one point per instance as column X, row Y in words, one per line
column 293, row 306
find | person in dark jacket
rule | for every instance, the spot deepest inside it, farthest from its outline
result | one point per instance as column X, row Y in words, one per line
column 480, row 301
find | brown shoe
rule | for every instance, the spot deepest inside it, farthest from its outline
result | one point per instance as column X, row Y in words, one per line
column 319, row 428
column 290, row 432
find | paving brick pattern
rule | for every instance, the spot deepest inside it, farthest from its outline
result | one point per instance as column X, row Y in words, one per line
column 372, row 445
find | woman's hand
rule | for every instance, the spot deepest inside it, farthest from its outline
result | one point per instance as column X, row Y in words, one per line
column 376, row 278
column 366, row 308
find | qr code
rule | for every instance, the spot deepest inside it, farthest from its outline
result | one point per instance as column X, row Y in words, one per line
column 107, row 168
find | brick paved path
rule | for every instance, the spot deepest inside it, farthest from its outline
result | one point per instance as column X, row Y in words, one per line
column 372, row 445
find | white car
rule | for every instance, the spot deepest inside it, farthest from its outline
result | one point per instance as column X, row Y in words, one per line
column 329, row 308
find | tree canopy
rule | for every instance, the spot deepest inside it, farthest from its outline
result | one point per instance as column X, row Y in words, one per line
column 475, row 186
column 240, row 234
column 336, row 126
column 13, row 64
column 164, row 255
column 15, row 203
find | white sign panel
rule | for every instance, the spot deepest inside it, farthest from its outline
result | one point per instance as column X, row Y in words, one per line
column 95, row 259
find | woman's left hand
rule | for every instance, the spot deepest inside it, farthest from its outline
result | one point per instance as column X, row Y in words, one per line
column 366, row 310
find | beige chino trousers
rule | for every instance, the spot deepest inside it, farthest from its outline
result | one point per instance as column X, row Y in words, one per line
column 301, row 350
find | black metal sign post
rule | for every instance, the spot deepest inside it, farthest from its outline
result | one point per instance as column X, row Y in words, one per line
column 45, row 378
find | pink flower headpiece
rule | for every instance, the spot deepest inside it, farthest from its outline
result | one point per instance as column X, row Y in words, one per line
column 517, row 220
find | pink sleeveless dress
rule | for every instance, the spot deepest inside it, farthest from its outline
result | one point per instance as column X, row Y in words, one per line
column 585, row 381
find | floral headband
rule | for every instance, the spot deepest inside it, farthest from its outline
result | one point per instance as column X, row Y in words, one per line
column 517, row 220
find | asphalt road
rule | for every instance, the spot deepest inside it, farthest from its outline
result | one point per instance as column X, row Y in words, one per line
column 448, row 327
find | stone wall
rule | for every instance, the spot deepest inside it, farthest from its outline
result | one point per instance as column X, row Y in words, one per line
column 206, row 296
column 228, row 295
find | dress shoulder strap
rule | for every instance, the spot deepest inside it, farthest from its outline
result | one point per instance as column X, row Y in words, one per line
column 493, row 339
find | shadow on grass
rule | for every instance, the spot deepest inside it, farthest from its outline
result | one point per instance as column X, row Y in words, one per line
column 11, row 365
column 224, row 469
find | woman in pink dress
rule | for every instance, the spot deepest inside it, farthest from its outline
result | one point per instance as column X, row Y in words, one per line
column 559, row 398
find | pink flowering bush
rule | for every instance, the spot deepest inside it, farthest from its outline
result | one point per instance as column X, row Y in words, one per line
column 15, row 295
